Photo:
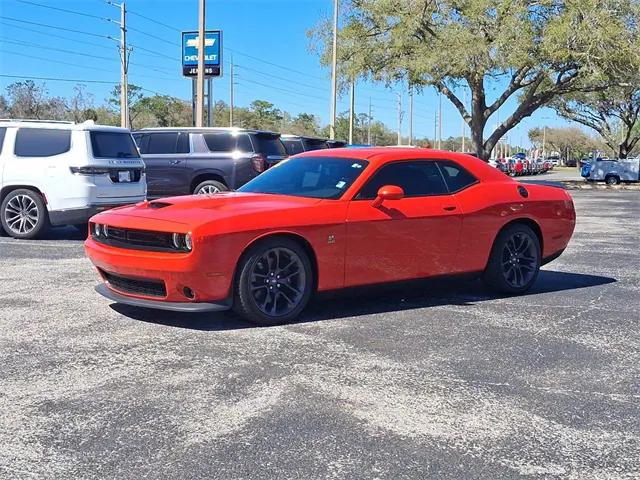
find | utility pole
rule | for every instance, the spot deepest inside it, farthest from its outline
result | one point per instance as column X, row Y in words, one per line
column 369, row 124
column 334, row 65
column 411, row 117
column 200, row 77
column 544, row 139
column 435, row 128
column 352, row 98
column 464, row 127
column 210, row 104
column 399, row 118
column 231, row 94
column 439, row 121
column 124, row 64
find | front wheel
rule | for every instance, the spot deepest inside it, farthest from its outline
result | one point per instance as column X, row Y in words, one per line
column 515, row 260
column 274, row 282
column 612, row 180
column 24, row 214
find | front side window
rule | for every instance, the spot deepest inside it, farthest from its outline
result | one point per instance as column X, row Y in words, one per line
column 42, row 142
column 456, row 177
column 162, row 143
column 315, row 177
column 113, row 145
column 416, row 178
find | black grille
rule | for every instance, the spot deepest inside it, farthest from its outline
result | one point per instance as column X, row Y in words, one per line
column 137, row 239
column 150, row 288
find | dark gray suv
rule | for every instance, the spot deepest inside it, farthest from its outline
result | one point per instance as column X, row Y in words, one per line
column 185, row 161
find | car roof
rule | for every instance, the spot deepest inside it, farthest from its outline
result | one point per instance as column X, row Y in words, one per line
column 206, row 130
column 59, row 125
column 290, row 136
column 381, row 155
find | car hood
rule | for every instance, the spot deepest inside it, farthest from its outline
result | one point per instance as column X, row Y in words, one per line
column 195, row 210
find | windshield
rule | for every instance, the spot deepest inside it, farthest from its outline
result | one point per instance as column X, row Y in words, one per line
column 113, row 145
column 315, row 177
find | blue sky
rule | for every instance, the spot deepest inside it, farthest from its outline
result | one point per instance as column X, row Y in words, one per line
column 267, row 39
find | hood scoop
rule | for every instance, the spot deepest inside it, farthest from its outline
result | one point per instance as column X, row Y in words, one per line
column 157, row 205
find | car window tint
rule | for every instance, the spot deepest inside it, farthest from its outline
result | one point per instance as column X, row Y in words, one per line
column 293, row 146
column 456, row 177
column 113, row 145
column 183, row 143
column 220, row 142
column 2, row 132
column 42, row 142
column 162, row 143
column 270, row 145
column 244, row 143
column 416, row 178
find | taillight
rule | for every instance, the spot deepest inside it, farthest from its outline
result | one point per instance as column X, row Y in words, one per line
column 89, row 170
column 258, row 162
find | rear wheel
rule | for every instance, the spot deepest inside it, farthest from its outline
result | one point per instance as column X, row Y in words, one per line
column 274, row 282
column 24, row 214
column 515, row 260
column 209, row 187
column 612, row 180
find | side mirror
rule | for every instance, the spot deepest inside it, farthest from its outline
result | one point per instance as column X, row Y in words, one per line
column 388, row 192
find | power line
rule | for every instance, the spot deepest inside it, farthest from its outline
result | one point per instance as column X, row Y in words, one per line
column 142, row 32
column 156, row 22
column 23, row 28
column 57, row 27
column 74, row 12
column 53, row 79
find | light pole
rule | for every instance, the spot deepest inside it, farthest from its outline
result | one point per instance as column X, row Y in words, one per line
column 334, row 64
column 200, row 77
column 352, row 100
column 124, row 64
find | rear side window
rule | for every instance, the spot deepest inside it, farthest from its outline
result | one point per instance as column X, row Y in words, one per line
column 162, row 143
column 2, row 132
column 456, row 177
column 293, row 146
column 42, row 142
column 220, row 142
column 113, row 145
column 244, row 143
column 315, row 144
column 270, row 145
column 416, row 178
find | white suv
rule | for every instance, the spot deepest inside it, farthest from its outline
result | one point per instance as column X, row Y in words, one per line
column 61, row 173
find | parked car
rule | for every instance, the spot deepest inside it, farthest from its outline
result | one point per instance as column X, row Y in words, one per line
column 62, row 173
column 186, row 161
column 336, row 143
column 612, row 172
column 327, row 220
column 297, row 143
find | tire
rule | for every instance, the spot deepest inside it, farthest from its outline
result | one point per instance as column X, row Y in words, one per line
column 612, row 180
column 209, row 187
column 515, row 260
column 287, row 288
column 24, row 214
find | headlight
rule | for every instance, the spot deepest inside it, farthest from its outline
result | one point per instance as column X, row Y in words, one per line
column 97, row 229
column 182, row 241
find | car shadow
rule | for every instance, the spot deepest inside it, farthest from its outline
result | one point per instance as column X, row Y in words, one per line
column 371, row 300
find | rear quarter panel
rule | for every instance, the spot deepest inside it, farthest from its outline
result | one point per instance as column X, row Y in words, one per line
column 488, row 207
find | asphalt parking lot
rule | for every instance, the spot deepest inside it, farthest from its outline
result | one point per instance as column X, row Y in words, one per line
column 442, row 381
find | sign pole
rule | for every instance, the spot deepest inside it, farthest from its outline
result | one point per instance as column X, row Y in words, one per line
column 193, row 102
column 200, row 77
column 210, row 120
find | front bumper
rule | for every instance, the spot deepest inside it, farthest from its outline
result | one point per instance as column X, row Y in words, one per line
column 188, row 307
column 77, row 216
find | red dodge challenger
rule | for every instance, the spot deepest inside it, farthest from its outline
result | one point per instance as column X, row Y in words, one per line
column 326, row 220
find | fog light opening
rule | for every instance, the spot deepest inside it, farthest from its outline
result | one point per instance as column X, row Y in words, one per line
column 190, row 294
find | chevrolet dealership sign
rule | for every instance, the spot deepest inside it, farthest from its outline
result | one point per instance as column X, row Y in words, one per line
column 212, row 53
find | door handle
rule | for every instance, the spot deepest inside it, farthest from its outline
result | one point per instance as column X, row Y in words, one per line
column 175, row 162
column 449, row 208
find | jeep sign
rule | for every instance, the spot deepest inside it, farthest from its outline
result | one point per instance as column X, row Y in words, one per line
column 212, row 53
